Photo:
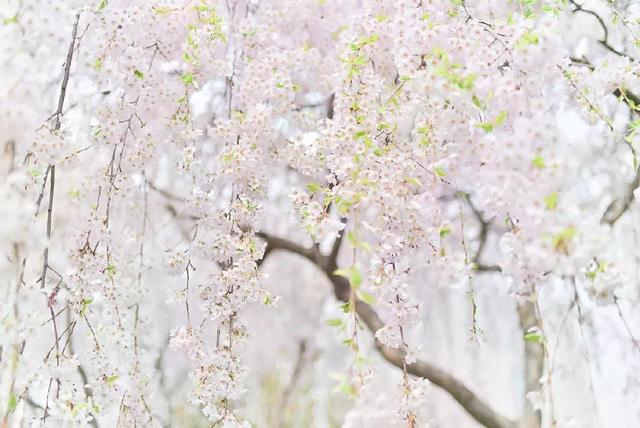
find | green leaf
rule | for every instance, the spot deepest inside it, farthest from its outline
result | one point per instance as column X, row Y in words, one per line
column 162, row 10
column 467, row 81
column 347, row 307
column 533, row 335
column 538, row 162
column 351, row 343
column 439, row 171
column 268, row 299
column 355, row 278
column 444, row 231
column 551, row 201
column 476, row 102
column 335, row 322
column 485, row 126
column 528, row 38
column 366, row 297
column 342, row 272
column 13, row 403
column 500, row 118
column 85, row 304
column 349, row 390
column 111, row 270
column 359, row 134
column 352, row 274
column 313, row 187
column 111, row 379
column 491, row 125
column 413, row 180
column 562, row 239
column 12, row 20
column 591, row 274
column 187, row 78
column 139, row 74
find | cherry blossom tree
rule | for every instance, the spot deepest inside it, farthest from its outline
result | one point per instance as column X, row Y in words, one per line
column 316, row 213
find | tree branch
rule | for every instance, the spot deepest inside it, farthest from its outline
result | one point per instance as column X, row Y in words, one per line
column 52, row 168
column 482, row 237
column 335, row 249
column 295, row 376
column 619, row 206
column 477, row 408
column 605, row 38
column 470, row 401
column 275, row 243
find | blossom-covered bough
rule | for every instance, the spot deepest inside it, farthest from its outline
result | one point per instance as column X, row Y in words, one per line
column 181, row 180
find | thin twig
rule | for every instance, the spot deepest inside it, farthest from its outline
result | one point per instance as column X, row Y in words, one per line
column 52, row 168
column 295, row 375
column 634, row 341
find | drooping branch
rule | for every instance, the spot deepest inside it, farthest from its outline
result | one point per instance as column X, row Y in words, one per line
column 52, row 183
column 634, row 341
column 619, row 206
column 469, row 400
column 533, row 350
column 52, row 168
column 604, row 41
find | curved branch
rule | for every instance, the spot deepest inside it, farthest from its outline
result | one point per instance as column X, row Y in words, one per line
column 619, row 206
column 482, row 237
column 275, row 243
column 469, row 400
column 605, row 38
